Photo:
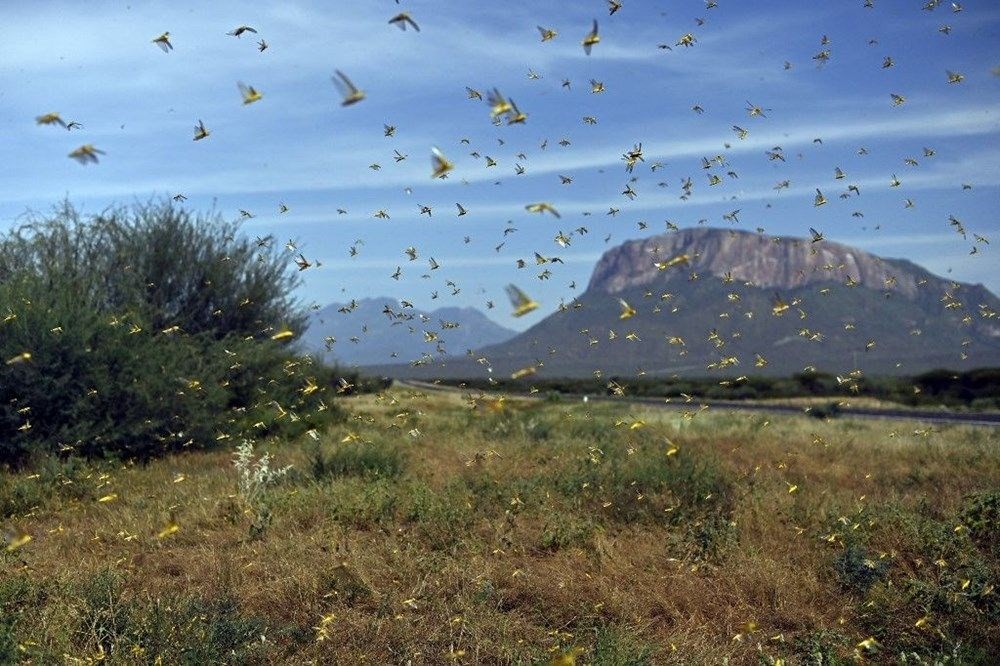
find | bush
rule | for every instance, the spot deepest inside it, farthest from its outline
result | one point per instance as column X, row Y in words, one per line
column 857, row 571
column 177, row 629
column 18, row 595
column 618, row 647
column 160, row 264
column 563, row 530
column 692, row 493
column 440, row 517
column 822, row 647
column 981, row 514
column 54, row 480
column 357, row 459
column 363, row 504
column 140, row 331
column 828, row 411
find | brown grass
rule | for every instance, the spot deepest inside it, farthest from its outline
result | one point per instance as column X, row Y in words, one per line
column 516, row 557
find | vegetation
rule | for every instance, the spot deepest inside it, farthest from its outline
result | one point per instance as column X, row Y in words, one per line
column 140, row 345
column 139, row 331
column 974, row 389
column 449, row 528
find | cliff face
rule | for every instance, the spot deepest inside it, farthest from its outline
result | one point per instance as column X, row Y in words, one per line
column 849, row 309
column 769, row 262
column 714, row 314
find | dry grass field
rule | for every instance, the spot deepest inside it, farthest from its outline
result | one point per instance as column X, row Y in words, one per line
column 444, row 529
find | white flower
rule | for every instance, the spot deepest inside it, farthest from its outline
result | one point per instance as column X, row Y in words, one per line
column 255, row 475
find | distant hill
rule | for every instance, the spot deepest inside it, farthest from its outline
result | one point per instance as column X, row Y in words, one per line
column 372, row 330
column 744, row 303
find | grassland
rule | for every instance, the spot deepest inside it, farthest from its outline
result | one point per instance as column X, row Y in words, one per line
column 435, row 528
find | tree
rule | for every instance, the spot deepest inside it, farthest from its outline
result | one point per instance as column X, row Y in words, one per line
column 141, row 330
column 160, row 262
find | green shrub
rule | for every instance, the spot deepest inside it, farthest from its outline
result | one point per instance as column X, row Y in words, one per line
column 830, row 410
column 18, row 595
column 616, row 647
column 140, row 331
column 54, row 479
column 8, row 644
column 618, row 484
column 857, row 571
column 563, row 530
column 363, row 503
column 822, row 647
column 980, row 513
column 357, row 459
column 713, row 535
column 442, row 518
column 160, row 264
column 178, row 630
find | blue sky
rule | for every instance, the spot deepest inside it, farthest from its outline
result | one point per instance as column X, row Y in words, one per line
column 95, row 64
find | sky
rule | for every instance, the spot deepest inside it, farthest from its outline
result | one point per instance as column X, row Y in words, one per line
column 95, row 63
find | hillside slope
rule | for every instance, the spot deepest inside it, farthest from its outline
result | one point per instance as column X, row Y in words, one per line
column 381, row 330
column 736, row 302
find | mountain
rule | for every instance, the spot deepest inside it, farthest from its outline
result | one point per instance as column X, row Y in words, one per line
column 371, row 330
column 736, row 302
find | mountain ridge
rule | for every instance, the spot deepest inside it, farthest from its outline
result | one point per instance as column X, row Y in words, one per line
column 735, row 302
column 766, row 261
column 371, row 330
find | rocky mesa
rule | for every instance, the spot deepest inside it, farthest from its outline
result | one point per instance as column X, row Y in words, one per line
column 711, row 301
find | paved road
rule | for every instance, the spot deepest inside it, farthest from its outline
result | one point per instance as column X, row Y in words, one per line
column 926, row 416
column 982, row 419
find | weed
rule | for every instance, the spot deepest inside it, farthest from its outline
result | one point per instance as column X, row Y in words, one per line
column 106, row 617
column 616, row 647
column 822, row 647
column 857, row 570
column 18, row 596
column 179, row 629
column 357, row 459
column 441, row 517
column 980, row 514
column 254, row 476
column 501, row 546
column 830, row 410
column 53, row 479
column 361, row 503
column 563, row 530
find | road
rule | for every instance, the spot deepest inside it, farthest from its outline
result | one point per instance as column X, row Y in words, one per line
column 979, row 419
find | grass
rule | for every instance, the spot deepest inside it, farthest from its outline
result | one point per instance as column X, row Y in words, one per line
column 424, row 530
